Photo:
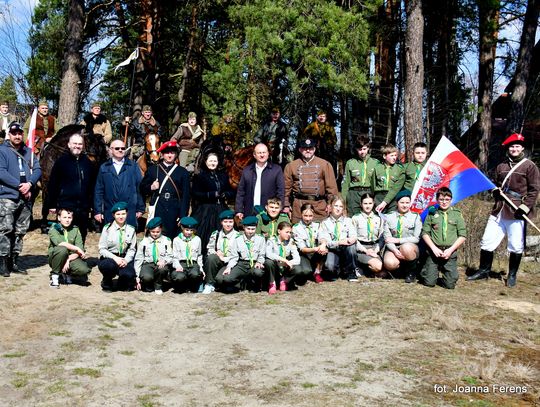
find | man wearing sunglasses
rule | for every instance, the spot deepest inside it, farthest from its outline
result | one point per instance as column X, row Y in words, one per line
column 19, row 173
column 118, row 180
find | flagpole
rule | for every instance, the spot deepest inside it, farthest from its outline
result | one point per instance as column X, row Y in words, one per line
column 515, row 207
column 130, row 96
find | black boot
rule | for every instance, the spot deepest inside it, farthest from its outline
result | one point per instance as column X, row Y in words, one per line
column 513, row 266
column 486, row 259
column 409, row 269
column 14, row 266
column 4, row 270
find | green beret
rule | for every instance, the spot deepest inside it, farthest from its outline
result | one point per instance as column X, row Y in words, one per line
column 403, row 193
column 189, row 222
column 250, row 221
column 226, row 214
column 119, row 206
column 154, row 223
column 146, row 108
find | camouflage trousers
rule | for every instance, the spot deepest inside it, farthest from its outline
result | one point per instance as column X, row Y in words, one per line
column 14, row 223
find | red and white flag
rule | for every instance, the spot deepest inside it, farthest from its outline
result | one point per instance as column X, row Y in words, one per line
column 31, row 139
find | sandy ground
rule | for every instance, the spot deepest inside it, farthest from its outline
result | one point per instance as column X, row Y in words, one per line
column 373, row 343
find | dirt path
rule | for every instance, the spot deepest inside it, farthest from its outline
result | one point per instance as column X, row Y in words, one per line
column 375, row 343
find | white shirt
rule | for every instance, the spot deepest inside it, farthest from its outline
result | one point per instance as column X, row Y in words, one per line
column 118, row 165
column 257, row 190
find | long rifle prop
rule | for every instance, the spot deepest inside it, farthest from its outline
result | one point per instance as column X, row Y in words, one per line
column 130, row 97
column 514, row 206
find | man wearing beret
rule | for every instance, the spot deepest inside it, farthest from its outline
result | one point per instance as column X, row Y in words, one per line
column 145, row 125
column 19, row 173
column 219, row 249
column 97, row 124
column 189, row 137
column 519, row 179
column 167, row 185
column 309, row 179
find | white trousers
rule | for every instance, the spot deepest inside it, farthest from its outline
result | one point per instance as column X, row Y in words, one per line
column 495, row 230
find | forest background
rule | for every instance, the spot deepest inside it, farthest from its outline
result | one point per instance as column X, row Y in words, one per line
column 399, row 71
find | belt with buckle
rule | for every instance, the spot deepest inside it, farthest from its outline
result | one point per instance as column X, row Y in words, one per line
column 310, row 197
column 166, row 195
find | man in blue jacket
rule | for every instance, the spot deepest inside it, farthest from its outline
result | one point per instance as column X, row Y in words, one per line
column 118, row 180
column 260, row 180
column 19, row 173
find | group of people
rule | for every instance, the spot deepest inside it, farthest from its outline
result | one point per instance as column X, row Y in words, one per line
column 288, row 225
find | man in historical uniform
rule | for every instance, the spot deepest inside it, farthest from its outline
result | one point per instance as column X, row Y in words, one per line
column 519, row 179
column 97, row 124
column 146, row 124
column 189, row 137
column 228, row 131
column 5, row 119
column 275, row 134
column 45, row 127
column 324, row 135
column 19, row 173
column 309, row 179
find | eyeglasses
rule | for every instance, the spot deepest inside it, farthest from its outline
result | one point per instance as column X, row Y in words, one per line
column 119, row 148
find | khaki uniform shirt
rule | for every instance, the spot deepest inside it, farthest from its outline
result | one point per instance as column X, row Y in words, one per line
column 333, row 230
column 411, row 227
column 219, row 240
column 116, row 241
column 276, row 249
column 241, row 251
column 369, row 228
column 145, row 255
column 189, row 250
column 444, row 231
column 305, row 236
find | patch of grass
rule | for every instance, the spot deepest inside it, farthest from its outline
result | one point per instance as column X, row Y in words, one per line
column 473, row 381
column 147, row 400
column 57, row 387
column 272, row 301
column 127, row 324
column 308, row 385
column 474, row 403
column 19, row 354
column 106, row 338
column 69, row 346
column 193, row 326
column 109, row 325
column 127, row 352
column 222, row 313
column 87, row 371
column 60, row 333
column 199, row 312
column 21, row 380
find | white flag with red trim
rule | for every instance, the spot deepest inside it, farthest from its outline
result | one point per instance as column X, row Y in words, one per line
column 31, row 139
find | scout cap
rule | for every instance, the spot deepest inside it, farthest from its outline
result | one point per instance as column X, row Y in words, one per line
column 119, row 206
column 226, row 214
column 515, row 138
column 402, row 194
column 189, row 222
column 250, row 221
column 307, row 143
column 169, row 145
column 154, row 223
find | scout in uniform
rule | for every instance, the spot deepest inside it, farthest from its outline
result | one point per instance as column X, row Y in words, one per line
column 402, row 231
column 309, row 179
column 338, row 234
column 247, row 259
column 369, row 230
column 387, row 180
column 519, row 179
column 187, row 255
column 358, row 173
column 117, row 248
column 312, row 253
column 153, row 258
column 412, row 169
column 218, row 249
column 66, row 252
column 444, row 232
column 282, row 259
column 270, row 218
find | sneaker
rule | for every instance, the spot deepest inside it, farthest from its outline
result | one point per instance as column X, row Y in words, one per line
column 54, row 282
column 358, row 272
column 353, row 279
column 272, row 289
column 318, row 278
column 201, row 288
column 208, row 289
column 282, row 285
column 159, row 292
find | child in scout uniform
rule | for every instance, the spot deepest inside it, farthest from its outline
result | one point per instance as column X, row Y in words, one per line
column 444, row 232
column 387, row 180
column 117, row 247
column 247, row 259
column 66, row 251
column 218, row 249
column 401, row 234
column 369, row 230
column 312, row 254
column 187, row 255
column 153, row 258
column 338, row 234
column 270, row 218
column 357, row 177
column 412, row 169
column 282, row 259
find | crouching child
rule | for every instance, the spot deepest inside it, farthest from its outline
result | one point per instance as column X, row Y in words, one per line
column 187, row 269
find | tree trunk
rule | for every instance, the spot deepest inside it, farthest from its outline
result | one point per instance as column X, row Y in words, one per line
column 488, row 19
column 414, row 75
column 69, row 90
column 516, row 117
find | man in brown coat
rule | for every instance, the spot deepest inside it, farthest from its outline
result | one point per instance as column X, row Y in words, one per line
column 309, row 179
column 519, row 179
column 45, row 126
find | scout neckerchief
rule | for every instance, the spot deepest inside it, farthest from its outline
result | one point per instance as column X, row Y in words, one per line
column 337, row 230
column 311, row 237
column 444, row 224
column 189, row 257
column 369, row 228
column 364, row 172
column 387, row 179
column 418, row 170
column 282, row 252
column 273, row 224
column 399, row 227
column 66, row 237
column 225, row 246
column 155, row 254
column 249, row 245
column 121, row 239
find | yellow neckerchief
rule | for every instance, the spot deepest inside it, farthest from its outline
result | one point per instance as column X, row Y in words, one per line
column 311, row 236
column 399, row 227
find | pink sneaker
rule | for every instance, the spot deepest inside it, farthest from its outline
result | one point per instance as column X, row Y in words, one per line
column 318, row 278
column 282, row 285
column 272, row 289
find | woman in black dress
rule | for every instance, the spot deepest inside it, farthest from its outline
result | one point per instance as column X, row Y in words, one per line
column 210, row 191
